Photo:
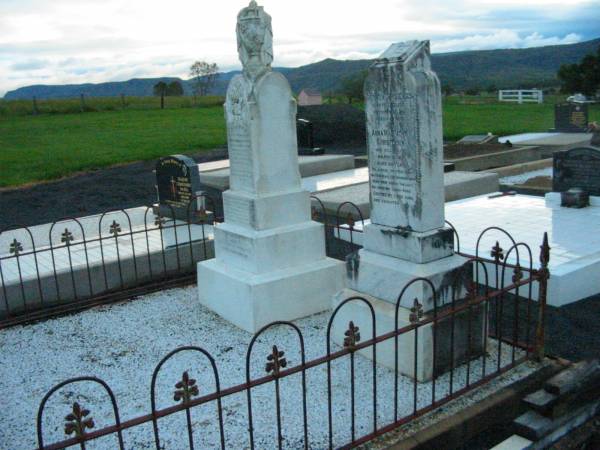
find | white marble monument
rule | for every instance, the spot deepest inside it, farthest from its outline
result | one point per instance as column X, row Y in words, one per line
column 270, row 257
column 407, row 237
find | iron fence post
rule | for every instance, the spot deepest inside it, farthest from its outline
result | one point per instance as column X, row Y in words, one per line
column 543, row 276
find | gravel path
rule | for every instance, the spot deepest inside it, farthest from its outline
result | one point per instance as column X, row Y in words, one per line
column 123, row 343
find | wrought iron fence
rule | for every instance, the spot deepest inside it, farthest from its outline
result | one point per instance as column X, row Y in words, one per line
column 77, row 262
column 499, row 299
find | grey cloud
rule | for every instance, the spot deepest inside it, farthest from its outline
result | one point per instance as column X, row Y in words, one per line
column 63, row 47
column 32, row 64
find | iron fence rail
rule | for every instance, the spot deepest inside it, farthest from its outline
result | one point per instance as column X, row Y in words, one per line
column 48, row 272
column 480, row 296
column 187, row 396
column 501, row 293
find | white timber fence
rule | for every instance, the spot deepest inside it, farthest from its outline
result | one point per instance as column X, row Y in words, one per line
column 521, row 96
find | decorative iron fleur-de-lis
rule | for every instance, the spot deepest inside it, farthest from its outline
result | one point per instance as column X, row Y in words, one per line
column 115, row 228
column 517, row 274
column 275, row 361
column 416, row 312
column 497, row 252
column 159, row 221
column 67, row 237
column 185, row 389
column 15, row 247
column 350, row 221
column 352, row 336
column 314, row 214
column 543, row 272
column 76, row 421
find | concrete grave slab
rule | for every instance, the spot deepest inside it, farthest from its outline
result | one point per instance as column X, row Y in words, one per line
column 458, row 185
column 218, row 178
column 574, row 260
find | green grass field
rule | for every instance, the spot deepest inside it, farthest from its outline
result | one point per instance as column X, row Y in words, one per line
column 53, row 145
column 475, row 115
column 34, row 148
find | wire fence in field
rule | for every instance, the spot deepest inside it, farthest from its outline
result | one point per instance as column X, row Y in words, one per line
column 85, row 103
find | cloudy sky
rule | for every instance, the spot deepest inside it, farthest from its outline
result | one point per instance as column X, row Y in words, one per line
column 80, row 41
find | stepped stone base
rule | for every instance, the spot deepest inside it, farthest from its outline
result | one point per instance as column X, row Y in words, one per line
column 251, row 301
column 384, row 277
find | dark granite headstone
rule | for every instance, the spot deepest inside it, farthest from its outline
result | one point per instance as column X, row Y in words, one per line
column 577, row 168
column 306, row 138
column 571, row 117
column 177, row 181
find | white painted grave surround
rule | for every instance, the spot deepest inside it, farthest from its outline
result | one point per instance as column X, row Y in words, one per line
column 270, row 257
column 406, row 238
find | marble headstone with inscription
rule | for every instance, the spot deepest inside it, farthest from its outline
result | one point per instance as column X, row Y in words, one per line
column 270, row 257
column 407, row 237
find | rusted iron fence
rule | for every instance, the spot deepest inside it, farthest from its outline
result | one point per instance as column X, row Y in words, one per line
column 500, row 299
column 77, row 262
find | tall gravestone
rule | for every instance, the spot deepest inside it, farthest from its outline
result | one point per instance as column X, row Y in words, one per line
column 270, row 257
column 407, row 237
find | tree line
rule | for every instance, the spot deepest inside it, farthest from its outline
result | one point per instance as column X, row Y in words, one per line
column 202, row 75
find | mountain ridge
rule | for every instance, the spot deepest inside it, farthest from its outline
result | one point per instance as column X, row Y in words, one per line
column 467, row 69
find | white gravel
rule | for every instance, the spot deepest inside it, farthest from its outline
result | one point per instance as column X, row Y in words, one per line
column 122, row 344
column 523, row 177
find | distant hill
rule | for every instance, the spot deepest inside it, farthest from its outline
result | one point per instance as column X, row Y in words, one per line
column 509, row 68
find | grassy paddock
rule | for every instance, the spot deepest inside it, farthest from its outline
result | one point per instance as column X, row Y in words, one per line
column 53, row 145
column 34, row 148
column 476, row 115
column 94, row 104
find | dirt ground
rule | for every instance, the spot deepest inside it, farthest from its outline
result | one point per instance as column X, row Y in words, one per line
column 124, row 186
column 539, row 182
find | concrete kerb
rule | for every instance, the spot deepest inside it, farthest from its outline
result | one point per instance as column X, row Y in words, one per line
column 518, row 169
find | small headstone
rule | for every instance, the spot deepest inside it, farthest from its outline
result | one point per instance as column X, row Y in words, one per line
column 305, row 133
column 177, row 182
column 577, row 168
column 306, row 138
column 571, row 117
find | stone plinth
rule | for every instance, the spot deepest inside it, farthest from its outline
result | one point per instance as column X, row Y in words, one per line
column 270, row 257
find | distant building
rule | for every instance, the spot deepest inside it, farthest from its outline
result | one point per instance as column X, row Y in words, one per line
column 309, row 97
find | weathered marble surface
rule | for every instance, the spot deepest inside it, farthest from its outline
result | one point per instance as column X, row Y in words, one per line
column 268, row 251
column 404, row 139
column 406, row 244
